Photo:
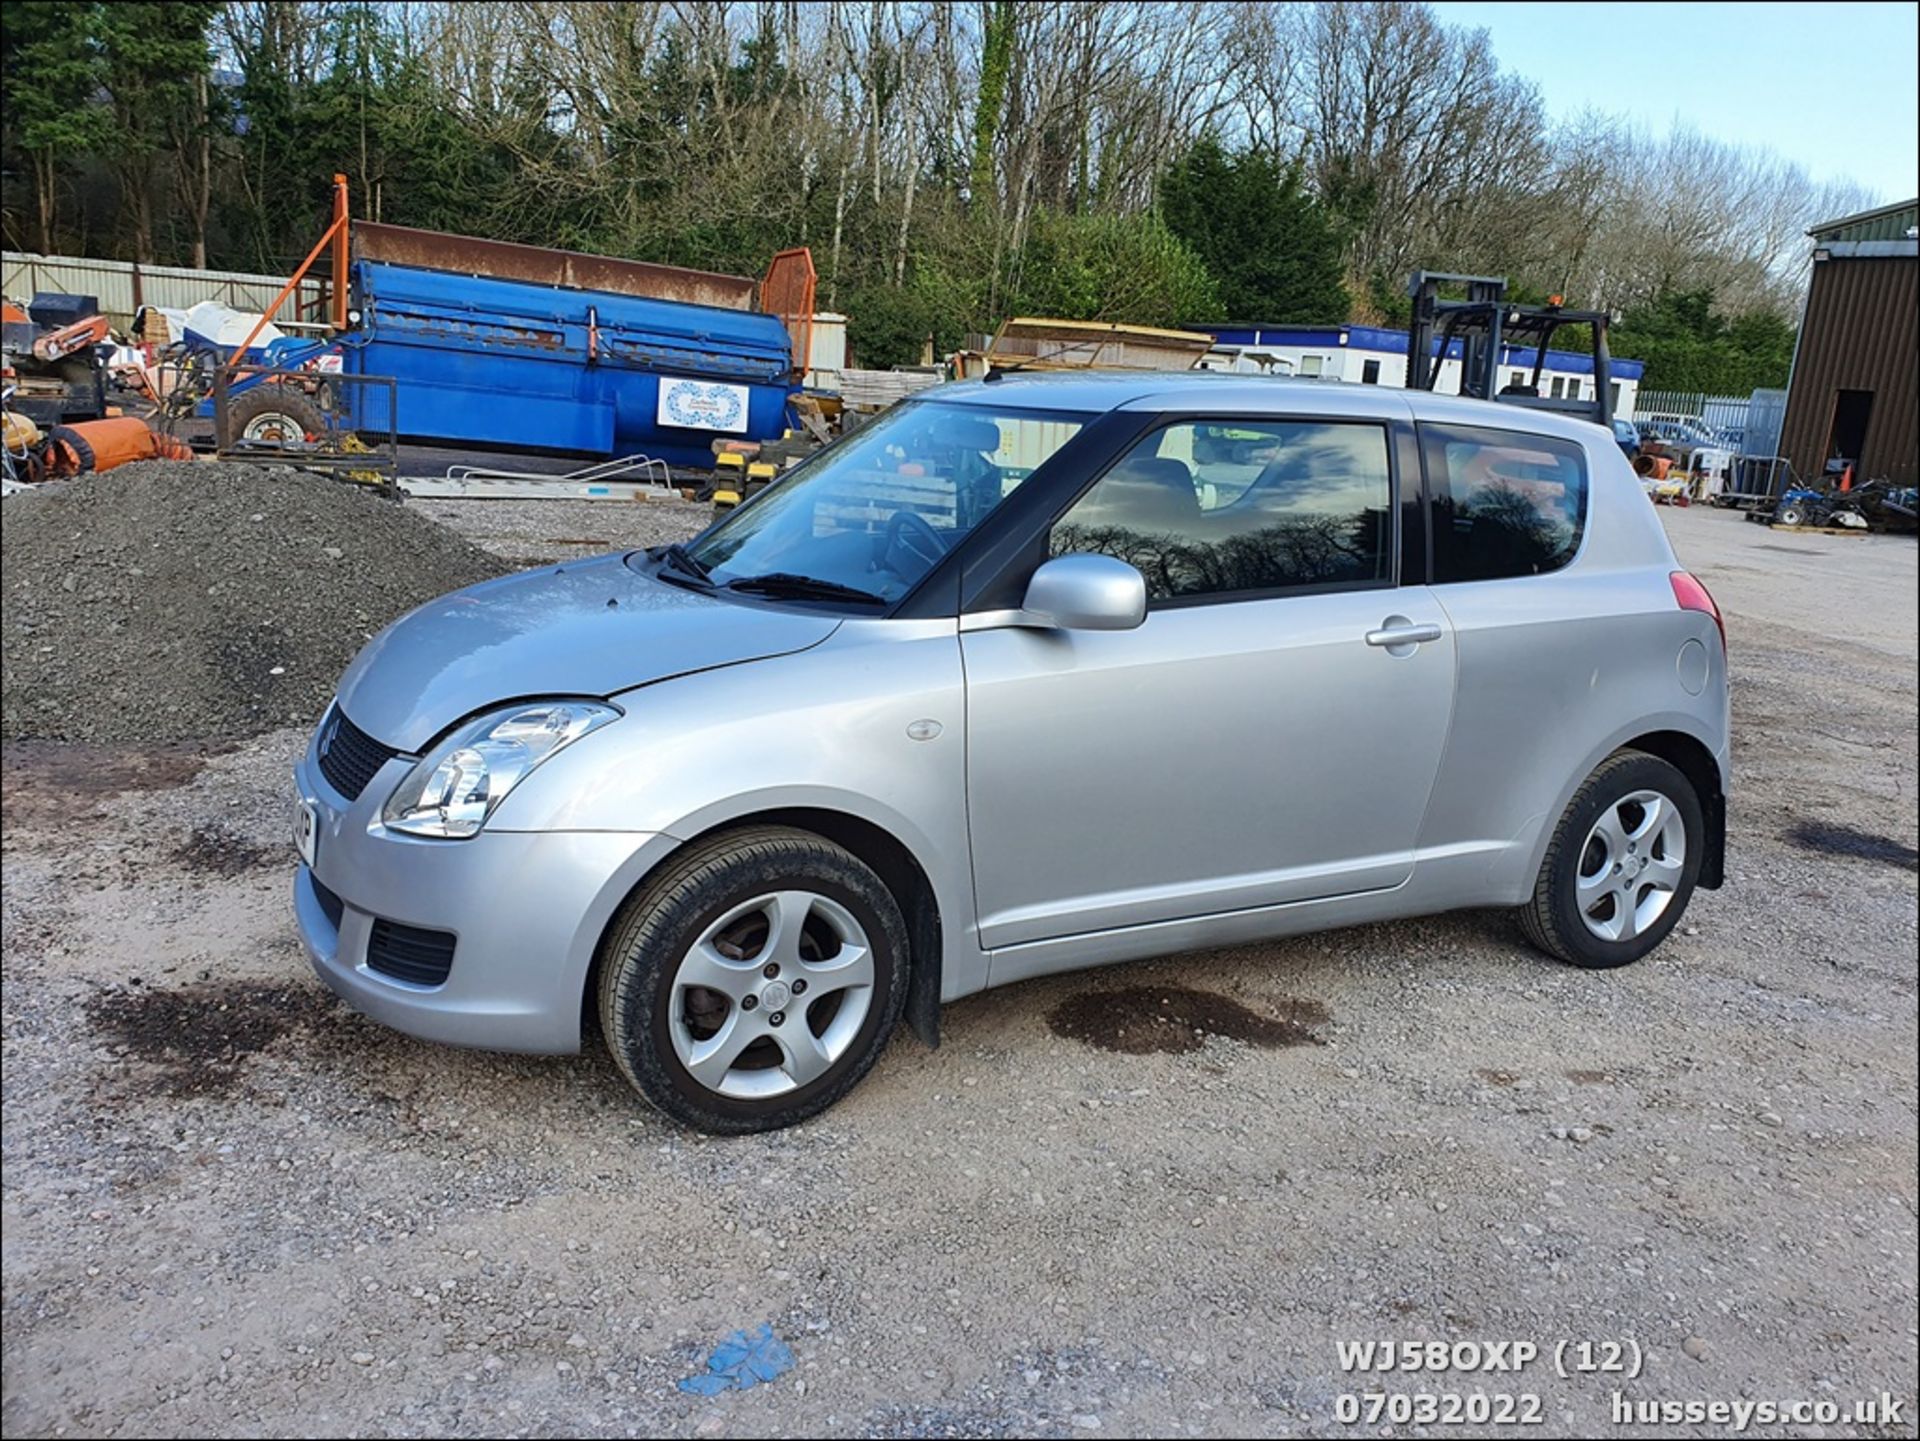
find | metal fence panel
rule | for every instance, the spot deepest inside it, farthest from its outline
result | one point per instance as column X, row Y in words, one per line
column 1756, row 418
column 122, row 286
column 1722, row 412
column 1765, row 416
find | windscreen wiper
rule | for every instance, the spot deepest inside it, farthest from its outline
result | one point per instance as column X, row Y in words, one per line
column 683, row 560
column 802, row 587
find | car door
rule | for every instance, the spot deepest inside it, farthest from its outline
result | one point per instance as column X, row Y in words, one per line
column 1268, row 734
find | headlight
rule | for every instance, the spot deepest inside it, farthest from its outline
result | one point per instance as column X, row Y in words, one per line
column 454, row 787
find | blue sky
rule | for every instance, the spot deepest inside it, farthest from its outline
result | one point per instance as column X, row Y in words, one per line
column 1831, row 86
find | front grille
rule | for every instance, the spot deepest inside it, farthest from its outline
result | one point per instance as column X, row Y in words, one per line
column 408, row 953
column 330, row 904
column 349, row 757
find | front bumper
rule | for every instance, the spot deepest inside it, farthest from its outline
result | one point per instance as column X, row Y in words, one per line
column 527, row 911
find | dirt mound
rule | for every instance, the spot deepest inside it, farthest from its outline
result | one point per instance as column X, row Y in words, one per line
column 165, row 601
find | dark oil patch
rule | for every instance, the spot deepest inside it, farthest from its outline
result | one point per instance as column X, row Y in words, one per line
column 213, row 850
column 1838, row 840
column 1590, row 1078
column 41, row 780
column 1138, row 1020
column 200, row 1035
column 1495, row 1077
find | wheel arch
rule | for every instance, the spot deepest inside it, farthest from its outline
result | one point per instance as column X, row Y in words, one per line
column 1675, row 737
column 899, row 869
column 1689, row 755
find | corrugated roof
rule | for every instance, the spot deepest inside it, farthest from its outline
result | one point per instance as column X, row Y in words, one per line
column 1885, row 222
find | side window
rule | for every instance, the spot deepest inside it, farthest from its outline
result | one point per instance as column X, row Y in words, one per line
column 1226, row 507
column 1504, row 503
column 1370, row 373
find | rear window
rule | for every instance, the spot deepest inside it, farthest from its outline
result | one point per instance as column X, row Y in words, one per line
column 1505, row 504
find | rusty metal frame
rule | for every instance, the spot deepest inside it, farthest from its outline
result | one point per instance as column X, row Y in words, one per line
column 334, row 235
column 501, row 260
column 788, row 291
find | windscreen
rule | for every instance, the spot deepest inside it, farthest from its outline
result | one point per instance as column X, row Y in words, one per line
column 876, row 512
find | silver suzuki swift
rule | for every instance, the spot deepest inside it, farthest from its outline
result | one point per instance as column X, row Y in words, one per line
column 1024, row 675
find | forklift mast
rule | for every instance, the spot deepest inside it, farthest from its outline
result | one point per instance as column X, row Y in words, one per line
column 1485, row 324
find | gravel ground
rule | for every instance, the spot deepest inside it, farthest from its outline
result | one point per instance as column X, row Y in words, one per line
column 233, row 1207
column 170, row 601
column 536, row 532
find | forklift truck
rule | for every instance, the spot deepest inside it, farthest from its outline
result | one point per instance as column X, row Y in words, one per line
column 1486, row 322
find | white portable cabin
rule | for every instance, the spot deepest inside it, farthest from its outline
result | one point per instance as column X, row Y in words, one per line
column 1369, row 355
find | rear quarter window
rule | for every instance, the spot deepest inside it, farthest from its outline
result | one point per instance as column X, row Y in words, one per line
column 1505, row 503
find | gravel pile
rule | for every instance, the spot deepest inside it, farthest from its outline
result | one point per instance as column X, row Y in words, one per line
column 169, row 602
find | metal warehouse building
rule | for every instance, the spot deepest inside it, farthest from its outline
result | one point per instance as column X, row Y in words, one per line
column 1852, row 395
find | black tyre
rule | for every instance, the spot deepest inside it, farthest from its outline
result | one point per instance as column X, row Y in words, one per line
column 1621, row 866
column 754, row 980
column 1791, row 515
column 272, row 415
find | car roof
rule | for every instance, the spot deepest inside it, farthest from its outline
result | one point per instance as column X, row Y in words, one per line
column 1247, row 395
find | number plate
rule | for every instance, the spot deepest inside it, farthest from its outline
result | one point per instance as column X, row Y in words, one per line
column 306, row 832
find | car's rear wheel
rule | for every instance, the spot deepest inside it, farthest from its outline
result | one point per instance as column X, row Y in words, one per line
column 754, row 981
column 1621, row 866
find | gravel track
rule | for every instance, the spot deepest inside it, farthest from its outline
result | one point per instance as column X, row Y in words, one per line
column 234, row 1207
column 538, row 532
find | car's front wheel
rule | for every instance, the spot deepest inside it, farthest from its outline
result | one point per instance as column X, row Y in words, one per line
column 1621, row 865
column 753, row 981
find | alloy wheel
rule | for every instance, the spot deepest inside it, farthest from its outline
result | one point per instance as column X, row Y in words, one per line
column 771, row 995
column 1630, row 865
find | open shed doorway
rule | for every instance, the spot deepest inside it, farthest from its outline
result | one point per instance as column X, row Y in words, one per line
column 1848, row 436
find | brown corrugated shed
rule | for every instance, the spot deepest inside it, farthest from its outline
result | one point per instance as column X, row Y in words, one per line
column 1860, row 333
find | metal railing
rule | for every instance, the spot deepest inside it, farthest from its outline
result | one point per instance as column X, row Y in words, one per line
column 1756, row 482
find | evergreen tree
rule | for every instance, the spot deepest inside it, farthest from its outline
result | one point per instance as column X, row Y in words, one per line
column 1273, row 251
column 47, row 59
column 1687, row 346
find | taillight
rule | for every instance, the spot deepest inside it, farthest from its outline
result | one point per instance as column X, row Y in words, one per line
column 1693, row 596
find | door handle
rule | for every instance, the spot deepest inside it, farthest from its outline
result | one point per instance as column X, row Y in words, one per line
column 1399, row 633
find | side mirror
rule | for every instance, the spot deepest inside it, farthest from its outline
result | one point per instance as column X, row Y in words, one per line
column 1074, row 593
column 1085, row 592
